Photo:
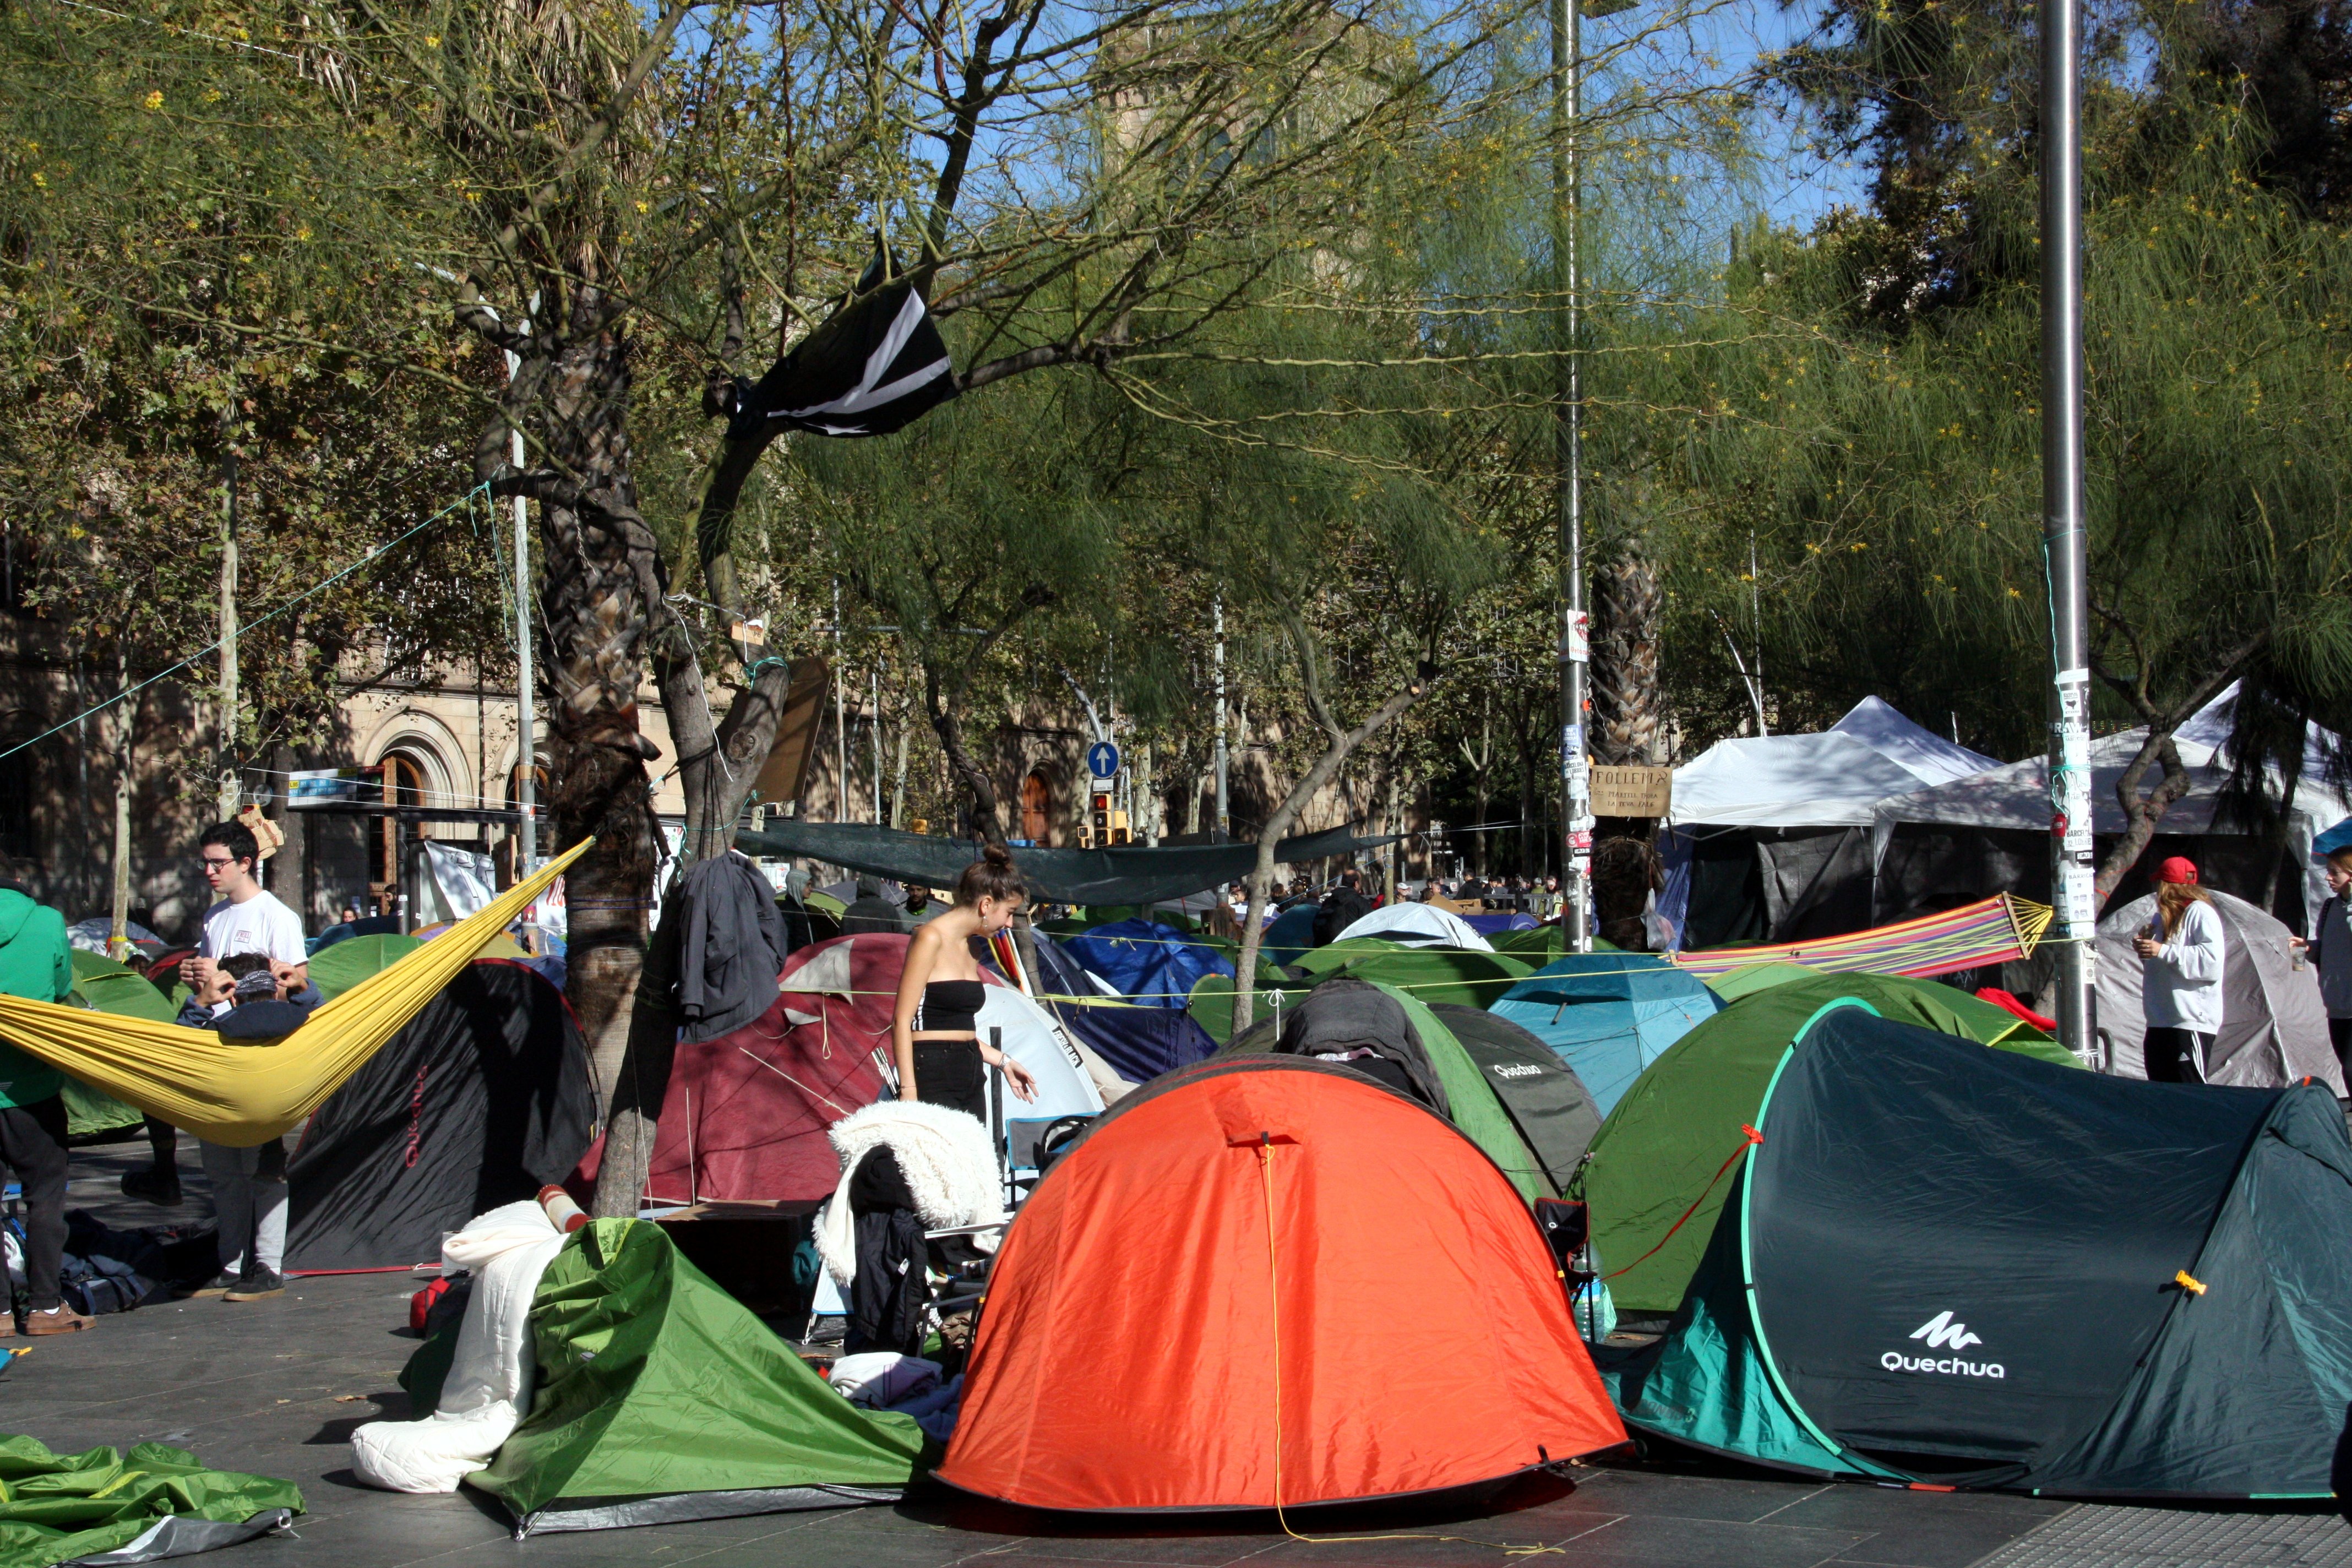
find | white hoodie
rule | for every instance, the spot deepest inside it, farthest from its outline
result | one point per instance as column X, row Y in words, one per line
column 2181, row 988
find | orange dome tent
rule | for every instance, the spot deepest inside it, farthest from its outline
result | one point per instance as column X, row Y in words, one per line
column 1147, row 1344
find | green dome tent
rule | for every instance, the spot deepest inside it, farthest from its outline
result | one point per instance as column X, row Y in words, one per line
column 1947, row 1265
column 105, row 986
column 1662, row 1160
column 1456, row 974
column 1541, row 1094
column 661, row 1398
column 335, row 970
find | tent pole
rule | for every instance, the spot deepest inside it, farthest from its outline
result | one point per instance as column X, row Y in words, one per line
column 2063, row 523
column 1217, row 612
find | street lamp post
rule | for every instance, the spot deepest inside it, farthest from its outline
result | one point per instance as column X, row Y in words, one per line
column 2063, row 539
column 1575, row 768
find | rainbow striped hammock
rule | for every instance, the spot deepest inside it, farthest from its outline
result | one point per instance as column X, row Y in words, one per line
column 1989, row 931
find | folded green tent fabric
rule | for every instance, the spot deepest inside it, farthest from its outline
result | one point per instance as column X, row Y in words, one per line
column 153, row 1502
column 662, row 1398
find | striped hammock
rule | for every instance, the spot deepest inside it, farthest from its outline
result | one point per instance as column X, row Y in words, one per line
column 1986, row 931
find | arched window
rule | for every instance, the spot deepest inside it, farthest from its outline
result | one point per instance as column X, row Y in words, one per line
column 1036, row 807
column 404, row 784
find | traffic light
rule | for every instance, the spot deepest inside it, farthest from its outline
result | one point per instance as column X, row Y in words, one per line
column 1118, row 834
column 1102, row 816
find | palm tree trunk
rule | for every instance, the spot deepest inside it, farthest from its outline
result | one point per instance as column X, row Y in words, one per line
column 1630, row 608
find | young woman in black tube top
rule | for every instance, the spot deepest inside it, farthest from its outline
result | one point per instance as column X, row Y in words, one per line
column 935, row 1034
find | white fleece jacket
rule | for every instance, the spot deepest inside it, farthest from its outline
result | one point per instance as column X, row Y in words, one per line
column 945, row 1157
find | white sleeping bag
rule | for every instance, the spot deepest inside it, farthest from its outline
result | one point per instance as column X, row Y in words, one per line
column 488, row 1386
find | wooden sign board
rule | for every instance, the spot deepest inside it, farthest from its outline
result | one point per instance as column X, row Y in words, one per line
column 1632, row 792
column 786, row 770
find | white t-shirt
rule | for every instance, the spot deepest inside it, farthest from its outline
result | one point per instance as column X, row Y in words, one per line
column 260, row 924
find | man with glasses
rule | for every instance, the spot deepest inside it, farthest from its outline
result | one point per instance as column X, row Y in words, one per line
column 246, row 1182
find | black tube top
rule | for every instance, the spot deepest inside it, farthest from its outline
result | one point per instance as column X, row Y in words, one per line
column 951, row 1006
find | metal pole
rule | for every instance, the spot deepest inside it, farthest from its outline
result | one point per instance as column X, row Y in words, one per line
column 873, row 685
column 1217, row 613
column 2063, row 519
column 526, row 705
column 840, row 718
column 1575, row 768
column 231, row 796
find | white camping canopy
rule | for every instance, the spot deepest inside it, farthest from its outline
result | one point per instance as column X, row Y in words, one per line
column 2018, row 796
column 2273, row 1024
column 1828, row 780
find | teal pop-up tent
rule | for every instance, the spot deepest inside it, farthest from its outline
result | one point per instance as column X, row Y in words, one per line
column 1958, row 1267
column 1609, row 1015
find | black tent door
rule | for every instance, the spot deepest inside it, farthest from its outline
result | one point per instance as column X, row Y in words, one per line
column 1964, row 1291
column 483, row 1099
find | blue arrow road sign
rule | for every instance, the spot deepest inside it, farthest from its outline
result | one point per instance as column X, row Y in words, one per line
column 1102, row 760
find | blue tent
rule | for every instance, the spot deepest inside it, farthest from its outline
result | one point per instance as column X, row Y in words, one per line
column 1139, row 1043
column 1151, row 963
column 1609, row 1015
column 1290, row 935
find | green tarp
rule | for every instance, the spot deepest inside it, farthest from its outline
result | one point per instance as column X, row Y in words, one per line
column 1660, row 1158
column 1092, row 876
column 150, row 1502
column 662, row 1398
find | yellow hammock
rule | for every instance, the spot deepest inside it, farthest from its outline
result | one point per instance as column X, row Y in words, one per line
column 242, row 1095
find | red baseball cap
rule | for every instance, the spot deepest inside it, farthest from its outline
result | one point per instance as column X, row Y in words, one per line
column 2177, row 868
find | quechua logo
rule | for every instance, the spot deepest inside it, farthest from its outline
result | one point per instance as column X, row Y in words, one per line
column 1942, row 1334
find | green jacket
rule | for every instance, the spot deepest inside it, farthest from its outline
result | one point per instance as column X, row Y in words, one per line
column 36, row 961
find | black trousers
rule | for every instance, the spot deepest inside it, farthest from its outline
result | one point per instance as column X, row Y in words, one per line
column 32, row 1144
column 948, row 1073
column 2339, row 1034
column 2176, row 1056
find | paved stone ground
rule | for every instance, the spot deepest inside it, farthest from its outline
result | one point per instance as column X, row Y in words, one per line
column 277, row 1387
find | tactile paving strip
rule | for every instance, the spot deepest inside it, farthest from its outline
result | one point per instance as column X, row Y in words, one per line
column 2098, row 1535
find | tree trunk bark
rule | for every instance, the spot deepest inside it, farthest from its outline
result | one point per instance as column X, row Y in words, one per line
column 938, row 704
column 1277, row 824
column 1625, row 709
column 2141, row 817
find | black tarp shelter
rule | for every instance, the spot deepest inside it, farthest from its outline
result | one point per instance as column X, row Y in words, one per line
column 484, row 1098
column 1062, row 876
column 1959, row 1267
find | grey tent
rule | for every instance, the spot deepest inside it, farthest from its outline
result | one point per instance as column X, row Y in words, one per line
column 2273, row 1024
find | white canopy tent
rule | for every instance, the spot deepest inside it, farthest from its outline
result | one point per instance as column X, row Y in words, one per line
column 2017, row 798
column 1832, row 779
column 1802, row 867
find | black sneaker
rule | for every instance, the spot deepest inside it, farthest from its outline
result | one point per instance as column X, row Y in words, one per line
column 161, row 1187
column 220, row 1284
column 255, row 1286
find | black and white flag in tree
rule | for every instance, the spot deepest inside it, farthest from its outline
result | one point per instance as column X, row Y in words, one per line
column 867, row 370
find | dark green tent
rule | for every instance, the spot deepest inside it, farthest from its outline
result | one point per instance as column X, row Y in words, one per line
column 1947, row 1265
column 1472, row 1100
column 661, row 1398
column 1660, row 1164
column 1545, row 1099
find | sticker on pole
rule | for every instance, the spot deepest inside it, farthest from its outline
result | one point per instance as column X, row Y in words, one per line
column 1578, row 642
column 1102, row 760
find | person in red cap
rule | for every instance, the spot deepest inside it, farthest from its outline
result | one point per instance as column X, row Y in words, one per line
column 2180, row 986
